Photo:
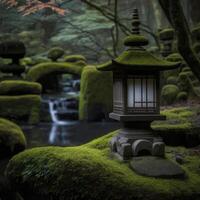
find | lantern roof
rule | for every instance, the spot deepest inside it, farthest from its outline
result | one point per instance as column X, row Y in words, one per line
column 136, row 57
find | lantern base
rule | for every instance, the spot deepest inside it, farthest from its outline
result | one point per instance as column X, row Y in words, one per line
column 132, row 142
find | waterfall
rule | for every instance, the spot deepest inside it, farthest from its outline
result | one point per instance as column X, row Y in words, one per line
column 54, row 107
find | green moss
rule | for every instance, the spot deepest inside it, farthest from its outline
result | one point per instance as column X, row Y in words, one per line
column 174, row 57
column 166, row 34
column 19, row 88
column 27, row 61
column 43, row 69
column 169, row 93
column 178, row 120
column 23, row 107
column 55, row 53
column 135, row 40
column 74, row 58
column 172, row 80
column 186, row 69
column 88, row 172
column 12, row 139
column 96, row 94
column 182, row 96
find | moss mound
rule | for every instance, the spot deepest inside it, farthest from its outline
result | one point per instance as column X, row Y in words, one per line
column 169, row 93
column 182, row 96
column 174, row 57
column 172, row 80
column 19, row 88
column 87, row 172
column 12, row 139
column 96, row 94
column 21, row 108
column 74, row 58
column 43, row 69
column 55, row 53
column 166, row 34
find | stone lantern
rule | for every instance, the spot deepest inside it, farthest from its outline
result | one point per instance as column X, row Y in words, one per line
column 136, row 97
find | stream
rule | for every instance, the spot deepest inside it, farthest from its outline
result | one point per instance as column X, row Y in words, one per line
column 64, row 129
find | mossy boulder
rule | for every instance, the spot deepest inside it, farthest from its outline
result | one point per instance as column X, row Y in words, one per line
column 166, row 34
column 21, row 108
column 172, row 80
column 169, row 93
column 55, row 53
column 12, row 139
column 74, row 58
column 174, row 57
column 182, row 96
column 88, row 172
column 19, row 87
column 95, row 95
column 43, row 69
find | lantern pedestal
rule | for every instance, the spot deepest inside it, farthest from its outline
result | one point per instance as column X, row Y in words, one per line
column 136, row 138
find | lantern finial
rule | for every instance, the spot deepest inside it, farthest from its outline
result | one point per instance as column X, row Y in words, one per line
column 136, row 22
column 135, row 40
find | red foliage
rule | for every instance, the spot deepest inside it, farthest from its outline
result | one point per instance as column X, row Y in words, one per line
column 34, row 6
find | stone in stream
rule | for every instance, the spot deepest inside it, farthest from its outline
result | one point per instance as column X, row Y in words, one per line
column 156, row 167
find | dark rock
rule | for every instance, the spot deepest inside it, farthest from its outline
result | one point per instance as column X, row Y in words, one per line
column 156, row 167
column 179, row 159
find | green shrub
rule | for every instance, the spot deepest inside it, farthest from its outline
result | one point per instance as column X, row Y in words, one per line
column 182, row 96
column 55, row 53
column 169, row 94
column 13, row 69
column 96, row 94
column 38, row 71
column 16, row 87
column 74, row 58
column 12, row 139
column 21, row 108
column 172, row 80
column 166, row 34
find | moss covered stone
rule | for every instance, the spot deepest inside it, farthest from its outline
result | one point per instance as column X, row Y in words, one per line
column 182, row 96
column 19, row 87
column 174, row 57
column 169, row 93
column 166, row 34
column 55, row 53
column 96, row 94
column 88, row 172
column 172, row 80
column 43, row 69
column 21, row 108
column 74, row 58
column 12, row 139
column 135, row 40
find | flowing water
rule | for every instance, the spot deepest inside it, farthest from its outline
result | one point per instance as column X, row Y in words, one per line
column 64, row 128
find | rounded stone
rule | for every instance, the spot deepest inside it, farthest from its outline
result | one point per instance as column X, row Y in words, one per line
column 157, row 167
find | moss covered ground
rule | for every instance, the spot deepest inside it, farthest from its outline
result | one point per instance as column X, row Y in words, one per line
column 21, row 107
column 178, row 120
column 88, row 172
